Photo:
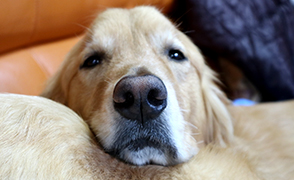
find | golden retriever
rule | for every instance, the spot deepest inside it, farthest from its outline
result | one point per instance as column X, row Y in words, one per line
column 42, row 139
column 149, row 98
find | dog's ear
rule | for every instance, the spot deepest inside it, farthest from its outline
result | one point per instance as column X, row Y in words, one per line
column 218, row 127
column 55, row 89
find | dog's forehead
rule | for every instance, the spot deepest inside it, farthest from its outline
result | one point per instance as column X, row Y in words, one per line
column 140, row 17
column 116, row 25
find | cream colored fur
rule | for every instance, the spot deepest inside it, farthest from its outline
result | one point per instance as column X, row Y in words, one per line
column 41, row 139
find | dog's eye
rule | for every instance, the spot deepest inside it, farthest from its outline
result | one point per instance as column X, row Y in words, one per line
column 176, row 55
column 92, row 61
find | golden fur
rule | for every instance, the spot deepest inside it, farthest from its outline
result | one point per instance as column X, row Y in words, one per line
column 229, row 142
column 41, row 139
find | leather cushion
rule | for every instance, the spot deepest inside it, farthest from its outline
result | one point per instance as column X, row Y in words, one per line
column 25, row 71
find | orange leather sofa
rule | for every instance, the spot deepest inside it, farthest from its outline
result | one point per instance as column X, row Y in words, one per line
column 36, row 35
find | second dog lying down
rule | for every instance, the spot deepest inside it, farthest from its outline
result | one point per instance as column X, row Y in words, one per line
column 41, row 139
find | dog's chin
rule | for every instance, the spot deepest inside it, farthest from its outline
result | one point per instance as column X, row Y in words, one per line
column 145, row 156
column 145, row 151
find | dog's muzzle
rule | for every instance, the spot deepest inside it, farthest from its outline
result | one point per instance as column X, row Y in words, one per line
column 140, row 98
column 142, row 134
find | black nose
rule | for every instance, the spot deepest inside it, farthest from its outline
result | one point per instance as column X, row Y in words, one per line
column 140, row 98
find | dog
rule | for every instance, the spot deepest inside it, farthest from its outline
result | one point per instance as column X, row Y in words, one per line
column 145, row 92
column 42, row 139
column 36, row 141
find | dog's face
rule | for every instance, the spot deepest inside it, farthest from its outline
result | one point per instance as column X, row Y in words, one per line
column 143, row 88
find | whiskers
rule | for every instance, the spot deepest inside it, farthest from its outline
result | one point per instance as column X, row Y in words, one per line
column 108, row 80
column 193, row 133
column 200, row 142
column 191, row 125
column 89, row 30
column 189, row 32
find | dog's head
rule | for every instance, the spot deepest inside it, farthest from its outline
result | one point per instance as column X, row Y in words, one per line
column 143, row 88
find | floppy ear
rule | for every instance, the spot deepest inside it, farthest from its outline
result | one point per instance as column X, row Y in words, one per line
column 55, row 89
column 218, row 127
